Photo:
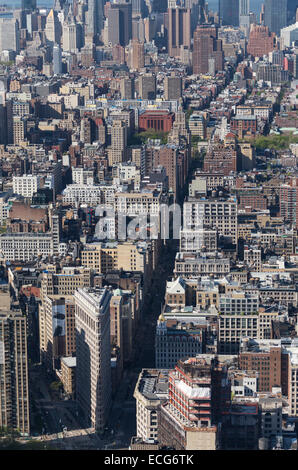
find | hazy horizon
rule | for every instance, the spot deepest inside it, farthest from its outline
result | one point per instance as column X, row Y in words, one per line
column 255, row 5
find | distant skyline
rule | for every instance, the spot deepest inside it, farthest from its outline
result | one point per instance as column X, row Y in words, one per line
column 255, row 5
column 17, row 3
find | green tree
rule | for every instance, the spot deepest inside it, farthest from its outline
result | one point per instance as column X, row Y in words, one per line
column 56, row 386
column 274, row 142
column 195, row 139
column 142, row 137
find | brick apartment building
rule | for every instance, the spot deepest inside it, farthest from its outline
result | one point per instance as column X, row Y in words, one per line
column 242, row 126
column 261, row 41
column 221, row 159
column 207, row 50
column 251, row 198
column 270, row 362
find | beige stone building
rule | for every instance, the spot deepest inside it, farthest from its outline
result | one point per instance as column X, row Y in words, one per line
column 138, row 203
column 214, row 213
column 194, row 264
column 117, row 151
column 207, row 296
column 232, row 328
column 266, row 317
column 252, row 258
column 64, row 281
column 104, row 257
column 151, row 390
column 293, row 381
column 56, row 329
column 136, row 55
column 176, row 292
column 19, row 125
column 68, row 375
column 247, row 155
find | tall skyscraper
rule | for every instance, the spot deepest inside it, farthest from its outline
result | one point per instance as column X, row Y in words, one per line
column 291, row 11
column 199, row 11
column 244, row 7
column 139, row 8
column 93, row 352
column 70, row 38
column 31, row 23
column 53, row 27
column 147, row 86
column 117, row 152
column 120, row 23
column 127, row 88
column 295, row 72
column 57, row 59
column 275, row 15
column 172, row 87
column 262, row 15
column 288, row 198
column 28, row 5
column 207, row 54
column 14, row 396
column 94, row 17
column 114, row 21
column 138, row 28
column 179, row 32
column 3, row 123
column 19, row 129
column 56, row 328
column 58, row 5
column 159, row 6
column 136, row 57
column 229, row 12
column 261, row 42
column 202, row 11
column 9, row 34
column 244, row 16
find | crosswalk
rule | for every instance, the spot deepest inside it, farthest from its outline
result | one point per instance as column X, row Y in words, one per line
column 65, row 434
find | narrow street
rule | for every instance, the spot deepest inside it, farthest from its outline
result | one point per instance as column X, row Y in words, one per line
column 123, row 414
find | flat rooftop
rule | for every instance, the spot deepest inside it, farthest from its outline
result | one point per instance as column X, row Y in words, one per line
column 154, row 383
column 69, row 361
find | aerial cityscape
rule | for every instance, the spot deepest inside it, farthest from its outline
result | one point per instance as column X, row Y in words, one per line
column 149, row 227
